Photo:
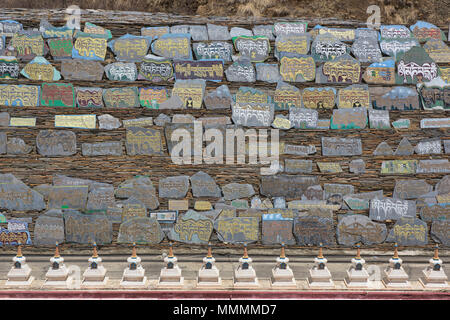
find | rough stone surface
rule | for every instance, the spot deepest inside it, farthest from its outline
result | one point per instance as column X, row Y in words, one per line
column 174, row 187
column 108, row 122
column 140, row 230
column 354, row 228
column 234, row 191
column 192, row 227
column 237, row 230
column 48, row 230
column 203, row 185
column 409, row 232
column 54, row 143
column 16, row 195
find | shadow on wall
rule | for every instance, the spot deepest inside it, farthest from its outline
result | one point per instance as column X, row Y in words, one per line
column 392, row 12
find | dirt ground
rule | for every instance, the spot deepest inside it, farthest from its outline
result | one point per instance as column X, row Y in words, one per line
column 392, row 11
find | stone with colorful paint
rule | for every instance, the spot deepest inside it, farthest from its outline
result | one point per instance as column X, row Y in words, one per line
column 191, row 92
column 409, row 232
column 401, row 124
column 303, row 118
column 237, row 230
column 399, row 167
column 361, row 201
column 89, row 97
column 414, row 66
column 130, row 48
column 297, row 68
column 267, row 72
column 140, row 230
column 58, row 95
column 379, row 119
column 327, row 47
column 380, row 72
column 254, row 48
column 437, row 211
column 253, row 115
column 40, row 69
column 192, row 227
column 154, row 32
column 434, row 95
column 314, row 230
column 437, row 50
column 19, row 95
column 143, row 141
column 89, row 46
column 213, row 50
column 155, row 69
column 277, row 230
column 357, row 228
column 60, row 48
column 342, row 34
column 289, row 28
column 264, row 30
column 152, row 97
column 319, row 97
column 391, row 209
column 28, row 44
column 396, row 98
column 349, row 118
column 120, row 71
column 354, row 96
column 367, row 50
column 424, row 31
column 210, row 70
column 173, row 46
column 297, row 44
column 9, row 67
column 119, row 98
column 343, row 69
column 241, row 71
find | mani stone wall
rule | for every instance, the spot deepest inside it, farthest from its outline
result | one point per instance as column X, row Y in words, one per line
column 347, row 172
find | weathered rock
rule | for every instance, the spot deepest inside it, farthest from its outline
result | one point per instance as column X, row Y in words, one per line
column 16, row 195
column 354, row 228
column 143, row 141
column 334, row 146
column 349, row 118
column 87, row 229
column 267, row 72
column 429, row 146
column 439, row 231
column 264, row 30
column 141, row 188
column 383, row 149
column 357, row 166
column 303, row 118
column 435, row 211
column 162, row 119
column 48, row 230
column 54, row 143
column 286, row 185
column 409, row 232
column 203, row 185
column 141, row 230
column 174, row 187
column 216, row 32
column 379, row 119
column 237, row 31
column 192, row 227
column 298, row 166
column 101, row 198
column 411, row 189
column 17, row 146
column 219, row 98
column 313, row 230
column 277, row 230
column 234, row 191
column 68, row 197
column 44, row 189
column 404, row 148
column 443, row 186
column 108, row 122
column 4, row 119
column 361, row 201
column 113, row 148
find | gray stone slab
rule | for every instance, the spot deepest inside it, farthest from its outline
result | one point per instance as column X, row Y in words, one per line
column 87, row 229
column 217, row 32
column 447, row 146
column 429, row 146
column 17, row 146
column 361, row 201
column 277, row 231
column 173, row 187
column 68, row 197
column 100, row 198
column 383, row 149
column 237, row 230
column 267, row 72
column 108, row 122
column 81, row 69
column 443, row 186
column 256, row 48
column 289, row 186
column 357, row 166
column 238, row 31
column 435, row 211
column 379, row 119
column 404, row 148
column 313, row 230
column 334, row 146
column 252, row 114
column 298, row 166
column 198, row 32
column 326, row 47
column 411, row 189
column 16, row 195
column 48, row 230
column 53, row 143
column 173, row 46
column 314, row 192
column 162, row 119
column 234, row 191
column 355, row 228
column 264, row 30
column 120, row 71
column 409, row 232
column 113, row 148
column 303, row 118
column 140, row 187
column 349, row 118
column 143, row 141
column 439, row 232
column 367, row 50
column 299, row 150
column 193, row 228
column 203, row 185
column 220, row 98
column 3, row 141
column 287, row 28
column 433, row 166
column 4, row 119
column 241, row 71
column 140, row 230
column 391, row 209
column 213, row 50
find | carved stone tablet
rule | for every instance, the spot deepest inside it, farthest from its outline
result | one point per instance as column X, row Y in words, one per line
column 326, row 47
column 414, row 66
column 366, row 50
column 299, row 68
column 434, row 95
column 155, row 69
column 399, row 167
column 192, row 227
column 173, row 46
column 404, row 148
column 48, row 230
column 58, row 95
column 343, row 69
column 203, row 185
column 87, row 229
column 302, row 118
column 130, row 48
column 424, row 31
column 9, row 67
column 68, row 197
column 332, row 146
column 216, row 32
column 391, row 209
column 439, row 231
column 219, row 98
column 40, row 69
column 277, row 230
column 213, row 50
column 351, row 118
column 313, row 230
column 380, row 72
column 125, row 97
column 355, row 228
column 383, row 149
column 120, row 71
column 379, row 119
column 89, row 46
column 16, row 195
column 174, row 187
column 100, row 198
column 233, row 191
column 432, row 212
column 409, row 232
column 53, row 143
column 89, row 97
column 288, row 28
column 318, row 98
column 60, row 48
column 190, row 92
column 286, row 185
column 211, row 69
column 354, row 96
column 28, row 44
column 241, row 72
column 141, row 230
column 113, row 148
column 81, row 70
column 143, row 141
column 429, row 146
column 253, row 115
column 237, row 230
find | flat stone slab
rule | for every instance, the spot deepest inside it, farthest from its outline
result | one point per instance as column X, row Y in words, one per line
column 277, row 230
column 411, row 189
column 16, row 195
column 290, row 186
column 174, row 187
column 140, row 230
column 334, row 146
column 439, row 232
column 52, row 143
column 234, row 191
column 143, row 141
column 203, row 185
column 48, row 230
column 113, row 148
column 192, row 227
column 409, row 232
column 355, row 228
column 313, row 230
column 87, row 229
column 237, row 230
column 391, row 209
column 17, row 146
column 140, row 187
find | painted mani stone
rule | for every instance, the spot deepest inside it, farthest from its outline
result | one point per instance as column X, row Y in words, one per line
column 19, row 95
column 130, row 48
column 58, row 95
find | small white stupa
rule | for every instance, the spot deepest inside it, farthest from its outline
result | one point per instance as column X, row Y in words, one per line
column 357, row 275
column 95, row 274
column 20, row 273
column 208, row 275
column 57, row 275
column 396, row 276
column 434, row 275
column 282, row 275
column 244, row 274
column 319, row 275
column 134, row 274
column 170, row 276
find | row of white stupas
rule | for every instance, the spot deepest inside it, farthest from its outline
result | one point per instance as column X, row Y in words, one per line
column 134, row 277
